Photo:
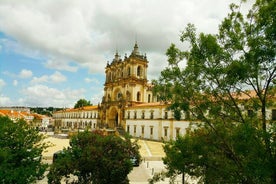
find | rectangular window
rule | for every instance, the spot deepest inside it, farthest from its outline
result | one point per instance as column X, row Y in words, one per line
column 143, row 127
column 149, row 98
column 165, row 131
column 135, row 129
column 151, row 130
column 151, row 115
column 135, row 115
column 273, row 114
column 128, row 115
column 143, row 115
column 127, row 128
column 166, row 115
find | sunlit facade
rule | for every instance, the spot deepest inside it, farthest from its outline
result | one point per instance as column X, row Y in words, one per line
column 129, row 104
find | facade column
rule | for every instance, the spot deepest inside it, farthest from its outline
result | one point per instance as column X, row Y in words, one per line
column 159, row 129
column 171, row 129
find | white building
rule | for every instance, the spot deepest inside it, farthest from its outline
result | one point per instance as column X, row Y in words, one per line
column 129, row 103
column 80, row 118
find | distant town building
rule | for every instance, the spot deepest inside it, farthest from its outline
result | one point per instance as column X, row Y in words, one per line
column 129, row 104
column 34, row 119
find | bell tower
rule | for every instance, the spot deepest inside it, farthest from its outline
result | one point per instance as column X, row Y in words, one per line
column 126, row 84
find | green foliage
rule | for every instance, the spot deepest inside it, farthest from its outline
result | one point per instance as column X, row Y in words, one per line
column 20, row 152
column 206, row 156
column 228, row 146
column 82, row 103
column 95, row 158
column 44, row 110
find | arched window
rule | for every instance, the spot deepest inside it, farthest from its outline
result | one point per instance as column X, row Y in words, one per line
column 119, row 96
column 139, row 71
column 128, row 71
column 118, row 73
column 108, row 77
column 138, row 96
column 149, row 98
column 111, row 76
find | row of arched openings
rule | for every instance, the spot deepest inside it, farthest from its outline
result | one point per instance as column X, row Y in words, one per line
column 120, row 74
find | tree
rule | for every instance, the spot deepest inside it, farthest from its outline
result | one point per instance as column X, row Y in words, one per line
column 20, row 152
column 180, row 159
column 95, row 158
column 82, row 103
column 226, row 74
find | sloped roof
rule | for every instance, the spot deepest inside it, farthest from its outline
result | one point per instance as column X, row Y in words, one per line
column 85, row 108
column 151, row 104
column 12, row 113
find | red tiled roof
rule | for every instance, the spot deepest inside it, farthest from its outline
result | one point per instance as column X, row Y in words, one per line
column 85, row 108
column 151, row 104
column 12, row 113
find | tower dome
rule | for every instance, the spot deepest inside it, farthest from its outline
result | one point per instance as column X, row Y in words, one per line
column 135, row 50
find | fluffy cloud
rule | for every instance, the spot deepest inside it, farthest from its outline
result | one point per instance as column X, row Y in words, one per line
column 17, row 47
column 2, row 83
column 25, row 74
column 41, row 95
column 75, row 35
column 60, row 64
column 56, row 77
column 88, row 32
column 93, row 80
column 15, row 82
column 5, row 101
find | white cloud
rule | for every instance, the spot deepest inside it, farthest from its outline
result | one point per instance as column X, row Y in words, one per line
column 93, row 80
column 41, row 79
column 9, row 74
column 97, row 98
column 15, row 82
column 88, row 32
column 2, row 83
column 41, row 95
column 25, row 73
column 88, row 80
column 60, row 64
column 68, row 35
column 5, row 101
column 17, row 47
column 56, row 77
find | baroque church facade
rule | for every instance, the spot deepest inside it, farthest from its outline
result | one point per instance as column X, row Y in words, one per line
column 129, row 104
column 126, row 85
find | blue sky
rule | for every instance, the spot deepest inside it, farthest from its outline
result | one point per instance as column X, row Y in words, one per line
column 26, row 80
column 54, row 52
